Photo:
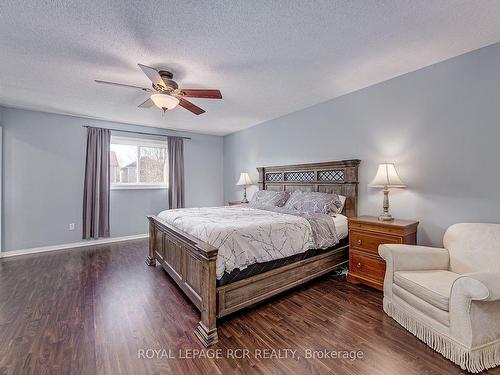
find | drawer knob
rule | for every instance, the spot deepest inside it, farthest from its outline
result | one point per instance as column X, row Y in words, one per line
column 358, row 265
column 360, row 242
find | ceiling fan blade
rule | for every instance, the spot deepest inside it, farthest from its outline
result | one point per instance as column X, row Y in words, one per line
column 146, row 104
column 122, row 84
column 190, row 106
column 152, row 74
column 201, row 93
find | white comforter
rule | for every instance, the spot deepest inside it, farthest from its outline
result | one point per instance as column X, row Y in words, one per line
column 244, row 235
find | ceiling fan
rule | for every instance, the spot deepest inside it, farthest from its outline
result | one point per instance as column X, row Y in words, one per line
column 165, row 92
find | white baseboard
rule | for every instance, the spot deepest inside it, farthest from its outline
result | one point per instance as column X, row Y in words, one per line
column 43, row 249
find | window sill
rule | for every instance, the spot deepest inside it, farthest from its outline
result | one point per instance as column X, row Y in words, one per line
column 139, row 187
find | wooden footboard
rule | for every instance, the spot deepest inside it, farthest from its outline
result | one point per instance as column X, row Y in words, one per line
column 191, row 264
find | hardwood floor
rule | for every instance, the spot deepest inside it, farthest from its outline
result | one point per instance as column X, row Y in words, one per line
column 95, row 311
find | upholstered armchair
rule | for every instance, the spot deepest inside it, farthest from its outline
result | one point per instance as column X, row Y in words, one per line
column 449, row 298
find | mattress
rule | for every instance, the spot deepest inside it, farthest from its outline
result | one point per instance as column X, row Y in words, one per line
column 246, row 235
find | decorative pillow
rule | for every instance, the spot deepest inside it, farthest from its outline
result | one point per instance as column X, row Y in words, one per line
column 314, row 202
column 342, row 203
column 270, row 198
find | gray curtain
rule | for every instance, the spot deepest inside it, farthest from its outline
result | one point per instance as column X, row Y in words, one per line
column 175, row 172
column 96, row 185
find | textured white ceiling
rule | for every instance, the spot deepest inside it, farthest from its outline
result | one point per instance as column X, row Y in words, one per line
column 268, row 58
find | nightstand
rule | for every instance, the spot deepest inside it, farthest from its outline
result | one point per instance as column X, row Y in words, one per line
column 366, row 233
column 234, row 203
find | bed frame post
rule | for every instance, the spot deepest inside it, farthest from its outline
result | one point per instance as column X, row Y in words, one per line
column 151, row 258
column 206, row 330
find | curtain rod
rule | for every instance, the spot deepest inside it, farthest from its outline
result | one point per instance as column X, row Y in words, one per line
column 134, row 132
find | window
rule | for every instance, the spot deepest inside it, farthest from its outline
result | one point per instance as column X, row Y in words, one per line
column 138, row 163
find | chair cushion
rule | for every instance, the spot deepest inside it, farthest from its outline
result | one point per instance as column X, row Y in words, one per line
column 433, row 286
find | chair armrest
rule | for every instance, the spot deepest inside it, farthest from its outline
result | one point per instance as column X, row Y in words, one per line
column 414, row 258
column 479, row 286
column 474, row 314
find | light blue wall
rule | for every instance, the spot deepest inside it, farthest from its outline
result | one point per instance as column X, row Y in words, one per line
column 44, row 162
column 440, row 125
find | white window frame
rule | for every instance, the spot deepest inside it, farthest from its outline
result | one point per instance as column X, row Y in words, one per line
column 135, row 141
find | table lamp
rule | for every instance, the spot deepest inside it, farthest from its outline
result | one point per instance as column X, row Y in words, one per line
column 386, row 178
column 244, row 181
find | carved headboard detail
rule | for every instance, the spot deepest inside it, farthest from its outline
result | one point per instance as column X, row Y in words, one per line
column 339, row 177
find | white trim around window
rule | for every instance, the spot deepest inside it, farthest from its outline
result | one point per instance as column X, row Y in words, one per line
column 138, row 187
column 134, row 141
column 139, row 142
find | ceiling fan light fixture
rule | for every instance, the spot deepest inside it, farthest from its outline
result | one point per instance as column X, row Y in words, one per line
column 166, row 93
column 164, row 101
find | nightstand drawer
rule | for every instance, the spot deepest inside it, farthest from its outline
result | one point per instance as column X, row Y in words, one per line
column 366, row 234
column 365, row 265
column 377, row 228
column 370, row 242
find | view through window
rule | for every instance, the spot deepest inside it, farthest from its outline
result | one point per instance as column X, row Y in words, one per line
column 138, row 163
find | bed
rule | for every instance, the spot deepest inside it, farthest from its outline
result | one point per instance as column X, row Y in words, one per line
column 217, row 281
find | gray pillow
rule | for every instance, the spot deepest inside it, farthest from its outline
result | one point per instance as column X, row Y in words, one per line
column 313, row 202
column 270, row 198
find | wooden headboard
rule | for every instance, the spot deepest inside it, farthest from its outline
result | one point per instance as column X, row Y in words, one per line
column 339, row 177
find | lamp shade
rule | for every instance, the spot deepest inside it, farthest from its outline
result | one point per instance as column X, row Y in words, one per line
column 165, row 102
column 244, row 179
column 387, row 176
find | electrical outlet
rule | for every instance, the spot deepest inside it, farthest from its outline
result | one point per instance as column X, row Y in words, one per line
column 72, row 226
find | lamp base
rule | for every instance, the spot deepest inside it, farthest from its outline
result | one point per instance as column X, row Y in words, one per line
column 385, row 217
column 244, row 200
